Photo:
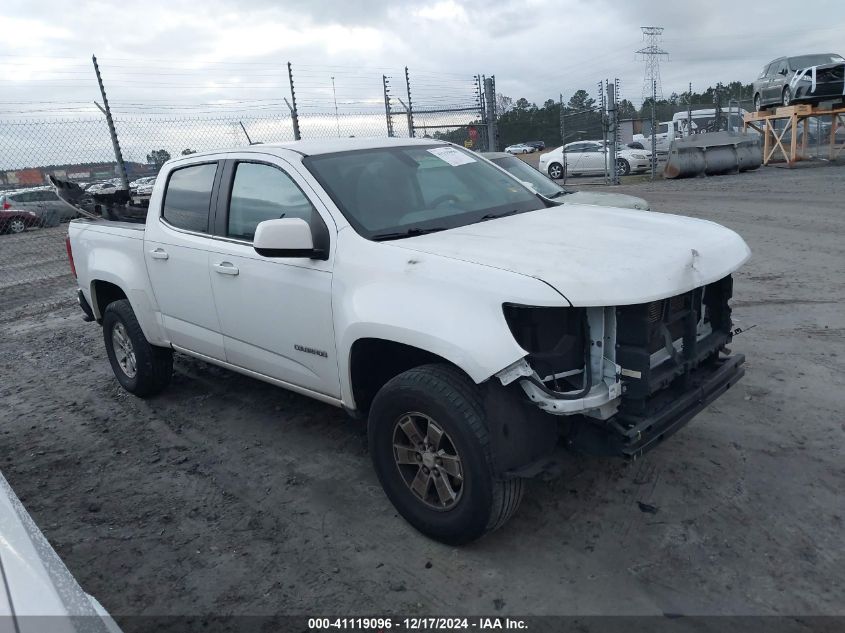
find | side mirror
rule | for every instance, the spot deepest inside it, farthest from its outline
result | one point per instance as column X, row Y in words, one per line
column 285, row 237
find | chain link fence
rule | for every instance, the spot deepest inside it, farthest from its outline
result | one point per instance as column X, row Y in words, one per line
column 324, row 103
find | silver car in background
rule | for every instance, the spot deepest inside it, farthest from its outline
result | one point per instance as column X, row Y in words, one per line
column 42, row 201
column 549, row 189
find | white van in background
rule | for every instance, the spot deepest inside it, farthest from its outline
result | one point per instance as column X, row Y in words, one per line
column 701, row 121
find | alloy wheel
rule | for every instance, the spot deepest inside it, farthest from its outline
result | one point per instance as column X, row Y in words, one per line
column 124, row 353
column 428, row 461
column 622, row 167
column 17, row 226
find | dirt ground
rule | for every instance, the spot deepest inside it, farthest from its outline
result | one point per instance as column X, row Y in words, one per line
column 229, row 496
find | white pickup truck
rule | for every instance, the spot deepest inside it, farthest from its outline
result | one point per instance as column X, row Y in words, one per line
column 475, row 324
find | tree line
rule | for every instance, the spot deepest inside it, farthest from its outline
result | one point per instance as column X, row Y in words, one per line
column 524, row 121
column 521, row 120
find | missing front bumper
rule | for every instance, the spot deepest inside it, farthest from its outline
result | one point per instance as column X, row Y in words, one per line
column 628, row 435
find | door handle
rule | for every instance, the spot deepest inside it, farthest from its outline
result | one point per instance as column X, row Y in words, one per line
column 159, row 253
column 226, row 268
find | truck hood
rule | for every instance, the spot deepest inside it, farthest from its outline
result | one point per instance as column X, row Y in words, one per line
column 598, row 198
column 596, row 256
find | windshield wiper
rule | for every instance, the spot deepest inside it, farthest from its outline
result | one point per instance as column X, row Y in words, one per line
column 496, row 216
column 558, row 194
column 398, row 235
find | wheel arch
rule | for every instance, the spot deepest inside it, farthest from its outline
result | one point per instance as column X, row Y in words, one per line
column 104, row 289
column 102, row 294
column 374, row 361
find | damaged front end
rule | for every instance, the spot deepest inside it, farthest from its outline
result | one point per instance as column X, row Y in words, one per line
column 625, row 377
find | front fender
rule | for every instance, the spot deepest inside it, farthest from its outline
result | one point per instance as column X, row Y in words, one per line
column 447, row 307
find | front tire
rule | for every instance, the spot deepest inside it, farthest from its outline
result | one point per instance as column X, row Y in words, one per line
column 787, row 96
column 623, row 167
column 140, row 368
column 430, row 449
column 555, row 171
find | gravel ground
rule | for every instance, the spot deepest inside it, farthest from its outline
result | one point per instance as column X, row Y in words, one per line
column 229, row 496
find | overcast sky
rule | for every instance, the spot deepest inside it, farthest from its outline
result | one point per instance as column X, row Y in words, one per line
column 220, row 51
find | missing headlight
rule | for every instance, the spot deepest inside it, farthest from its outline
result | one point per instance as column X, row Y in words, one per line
column 555, row 339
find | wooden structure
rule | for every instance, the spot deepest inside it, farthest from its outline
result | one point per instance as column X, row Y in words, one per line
column 790, row 143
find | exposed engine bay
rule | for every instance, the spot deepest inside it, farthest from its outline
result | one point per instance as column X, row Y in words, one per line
column 623, row 367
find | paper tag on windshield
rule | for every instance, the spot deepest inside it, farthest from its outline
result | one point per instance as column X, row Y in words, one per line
column 452, row 156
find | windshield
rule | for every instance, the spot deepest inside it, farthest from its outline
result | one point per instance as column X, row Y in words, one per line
column 418, row 188
column 524, row 172
column 804, row 61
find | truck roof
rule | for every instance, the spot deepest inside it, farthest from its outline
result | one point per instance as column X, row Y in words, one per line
column 315, row 147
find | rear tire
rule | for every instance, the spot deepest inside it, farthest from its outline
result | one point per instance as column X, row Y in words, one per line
column 140, row 368
column 555, row 171
column 17, row 226
column 758, row 103
column 438, row 476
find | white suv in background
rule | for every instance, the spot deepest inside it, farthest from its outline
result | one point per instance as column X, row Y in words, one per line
column 589, row 157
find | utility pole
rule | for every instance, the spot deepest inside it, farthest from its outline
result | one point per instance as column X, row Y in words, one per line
column 293, row 112
column 407, row 117
column 336, row 119
column 717, row 103
column 409, row 106
column 653, row 130
column 248, row 140
column 482, row 108
column 490, row 102
column 612, row 128
column 563, row 136
column 562, row 124
column 651, row 53
column 689, row 110
column 118, row 155
column 603, row 117
column 387, row 112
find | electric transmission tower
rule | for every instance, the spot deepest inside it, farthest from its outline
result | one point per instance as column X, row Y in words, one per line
column 651, row 53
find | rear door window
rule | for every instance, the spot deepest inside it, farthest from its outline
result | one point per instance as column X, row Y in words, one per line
column 187, row 199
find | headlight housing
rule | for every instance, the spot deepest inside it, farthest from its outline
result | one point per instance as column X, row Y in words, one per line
column 554, row 337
